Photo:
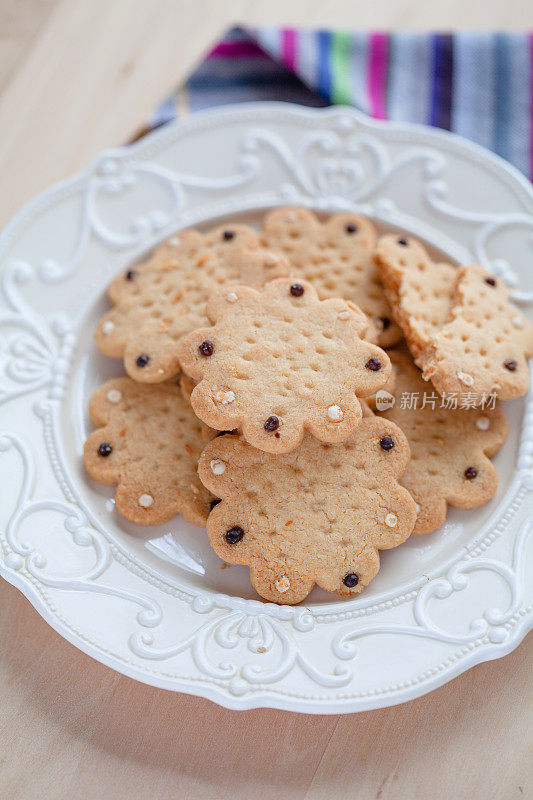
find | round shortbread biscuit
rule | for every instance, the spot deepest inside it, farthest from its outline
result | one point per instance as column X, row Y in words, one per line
column 147, row 444
column 459, row 323
column 450, row 445
column 336, row 256
column 159, row 301
column 281, row 361
column 318, row 514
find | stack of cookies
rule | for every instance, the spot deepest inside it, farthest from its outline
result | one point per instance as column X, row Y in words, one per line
column 264, row 401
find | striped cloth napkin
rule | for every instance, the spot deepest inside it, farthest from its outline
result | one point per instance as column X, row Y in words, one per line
column 479, row 85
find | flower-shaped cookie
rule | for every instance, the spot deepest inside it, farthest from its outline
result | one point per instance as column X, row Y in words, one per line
column 148, row 446
column 279, row 361
column 460, row 326
column 450, row 446
column 318, row 514
column 159, row 301
column 336, row 256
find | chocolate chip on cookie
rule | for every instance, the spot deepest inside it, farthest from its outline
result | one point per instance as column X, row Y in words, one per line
column 459, row 322
column 373, row 364
column 336, row 255
column 158, row 301
column 297, row 290
column 234, row 534
column 271, row 353
column 155, row 467
column 271, row 424
column 350, row 580
column 439, row 438
column 318, row 514
column 206, row 348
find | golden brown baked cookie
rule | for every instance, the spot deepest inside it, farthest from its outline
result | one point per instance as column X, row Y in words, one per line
column 318, row 514
column 336, row 256
column 460, row 326
column 280, row 361
column 187, row 385
column 159, row 301
column 147, row 445
column 383, row 395
column 450, row 447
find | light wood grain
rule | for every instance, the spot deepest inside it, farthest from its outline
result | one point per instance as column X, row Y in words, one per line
column 77, row 76
column 98, row 68
column 72, row 728
column 20, row 24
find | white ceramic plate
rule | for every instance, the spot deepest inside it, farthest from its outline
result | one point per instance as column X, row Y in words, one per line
column 440, row 603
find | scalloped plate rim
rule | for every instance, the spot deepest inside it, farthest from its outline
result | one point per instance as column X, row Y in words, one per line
column 262, row 698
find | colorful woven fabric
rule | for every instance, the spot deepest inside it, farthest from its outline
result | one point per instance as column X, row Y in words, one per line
column 479, row 85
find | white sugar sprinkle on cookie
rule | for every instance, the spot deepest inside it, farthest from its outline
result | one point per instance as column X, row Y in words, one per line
column 245, row 386
column 225, row 397
column 283, row 584
column 335, row 542
column 161, row 455
column 391, row 520
column 344, row 315
column 335, row 413
column 217, row 466
column 172, row 288
column 435, row 475
column 108, row 326
column 114, row 396
column 232, row 297
column 464, row 377
column 459, row 324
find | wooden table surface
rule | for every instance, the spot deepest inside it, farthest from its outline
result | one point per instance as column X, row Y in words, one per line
column 77, row 76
